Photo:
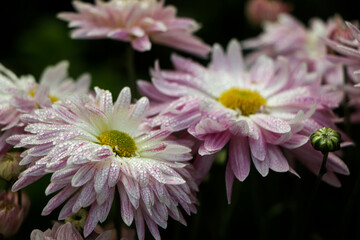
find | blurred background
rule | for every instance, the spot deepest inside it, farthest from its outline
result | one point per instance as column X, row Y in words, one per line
column 275, row 207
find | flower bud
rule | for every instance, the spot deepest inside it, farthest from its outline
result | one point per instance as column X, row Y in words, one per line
column 9, row 166
column 78, row 219
column 326, row 140
column 259, row 11
column 11, row 213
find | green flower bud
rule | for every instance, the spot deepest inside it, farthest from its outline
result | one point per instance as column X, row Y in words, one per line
column 78, row 220
column 9, row 166
column 326, row 140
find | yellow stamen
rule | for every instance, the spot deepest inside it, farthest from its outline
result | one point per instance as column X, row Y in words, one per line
column 121, row 143
column 247, row 101
column 52, row 98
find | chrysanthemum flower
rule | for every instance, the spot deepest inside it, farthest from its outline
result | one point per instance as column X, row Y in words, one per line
column 12, row 214
column 64, row 232
column 19, row 95
column 290, row 38
column 93, row 147
column 257, row 111
column 348, row 44
column 346, row 41
column 139, row 22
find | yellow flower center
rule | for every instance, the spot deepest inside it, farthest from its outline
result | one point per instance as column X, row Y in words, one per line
column 121, row 143
column 247, row 101
column 52, row 98
column 5, row 205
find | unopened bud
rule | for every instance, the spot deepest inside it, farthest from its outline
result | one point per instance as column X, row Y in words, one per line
column 78, row 219
column 326, row 140
column 12, row 214
column 9, row 166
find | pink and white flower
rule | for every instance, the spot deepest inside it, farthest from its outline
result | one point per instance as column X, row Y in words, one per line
column 64, row 232
column 257, row 111
column 19, row 95
column 94, row 147
column 139, row 22
column 348, row 44
column 346, row 41
column 290, row 38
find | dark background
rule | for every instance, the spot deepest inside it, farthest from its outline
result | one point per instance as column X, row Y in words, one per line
column 275, row 207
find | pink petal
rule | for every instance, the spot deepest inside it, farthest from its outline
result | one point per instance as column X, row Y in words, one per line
column 83, row 175
column 68, row 231
column 235, row 58
column 270, row 123
column 262, row 166
column 202, row 166
column 229, row 180
column 127, row 210
column 239, row 157
column 214, row 142
column 139, row 109
column 258, row 146
column 140, row 226
column 101, row 176
column 296, row 141
column 277, row 161
column 153, row 227
column 141, row 43
column 91, row 220
column 119, row 34
column 58, row 199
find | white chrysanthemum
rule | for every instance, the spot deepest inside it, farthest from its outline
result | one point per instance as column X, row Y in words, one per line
column 93, row 146
column 19, row 95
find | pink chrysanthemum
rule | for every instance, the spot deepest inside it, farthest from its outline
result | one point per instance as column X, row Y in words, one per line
column 92, row 147
column 346, row 41
column 290, row 38
column 258, row 111
column 64, row 232
column 347, row 44
column 139, row 22
column 19, row 95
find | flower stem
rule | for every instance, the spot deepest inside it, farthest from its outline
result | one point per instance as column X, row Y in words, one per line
column 131, row 76
column 307, row 217
column 322, row 169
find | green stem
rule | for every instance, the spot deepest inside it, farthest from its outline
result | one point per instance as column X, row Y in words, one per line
column 323, row 167
column 131, row 76
column 308, row 217
column 322, row 171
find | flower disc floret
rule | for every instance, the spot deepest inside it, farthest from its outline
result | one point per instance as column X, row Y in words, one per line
column 247, row 101
column 53, row 99
column 121, row 143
